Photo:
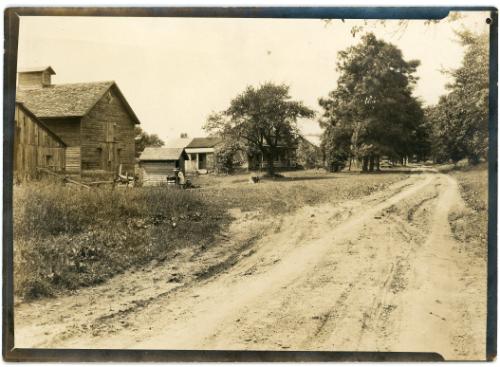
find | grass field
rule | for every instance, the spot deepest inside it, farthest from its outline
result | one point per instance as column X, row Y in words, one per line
column 471, row 226
column 67, row 237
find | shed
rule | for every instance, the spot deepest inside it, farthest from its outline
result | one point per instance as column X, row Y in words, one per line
column 159, row 163
column 35, row 145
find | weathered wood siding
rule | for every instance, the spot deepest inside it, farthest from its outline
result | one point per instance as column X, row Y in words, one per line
column 107, row 136
column 34, row 79
column 68, row 129
column 34, row 146
column 156, row 172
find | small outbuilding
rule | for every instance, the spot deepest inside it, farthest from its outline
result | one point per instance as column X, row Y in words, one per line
column 157, row 164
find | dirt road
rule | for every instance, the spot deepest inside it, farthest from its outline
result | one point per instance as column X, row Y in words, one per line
column 379, row 274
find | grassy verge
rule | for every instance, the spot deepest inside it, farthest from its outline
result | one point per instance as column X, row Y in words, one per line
column 471, row 226
column 67, row 238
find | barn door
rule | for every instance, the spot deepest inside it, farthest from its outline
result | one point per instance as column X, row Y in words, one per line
column 109, row 162
column 110, row 153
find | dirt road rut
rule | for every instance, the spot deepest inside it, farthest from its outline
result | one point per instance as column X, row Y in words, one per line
column 380, row 274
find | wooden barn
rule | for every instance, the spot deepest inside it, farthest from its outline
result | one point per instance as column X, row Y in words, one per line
column 159, row 163
column 94, row 120
column 35, row 146
column 201, row 154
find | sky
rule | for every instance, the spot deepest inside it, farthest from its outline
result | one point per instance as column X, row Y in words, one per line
column 175, row 71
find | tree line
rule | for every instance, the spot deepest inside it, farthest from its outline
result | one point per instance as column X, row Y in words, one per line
column 371, row 115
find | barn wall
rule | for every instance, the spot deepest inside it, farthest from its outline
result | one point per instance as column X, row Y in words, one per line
column 34, row 147
column 68, row 129
column 107, row 136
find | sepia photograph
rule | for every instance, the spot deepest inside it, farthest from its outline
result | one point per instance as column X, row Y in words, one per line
column 263, row 184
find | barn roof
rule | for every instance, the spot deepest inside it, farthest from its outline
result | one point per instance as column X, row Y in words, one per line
column 161, row 154
column 204, row 142
column 68, row 100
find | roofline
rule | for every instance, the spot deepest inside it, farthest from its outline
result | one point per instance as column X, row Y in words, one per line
column 182, row 154
column 39, row 122
column 112, row 84
column 35, row 70
column 219, row 141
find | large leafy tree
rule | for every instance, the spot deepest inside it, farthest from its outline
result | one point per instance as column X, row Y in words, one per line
column 460, row 119
column 372, row 112
column 143, row 140
column 261, row 119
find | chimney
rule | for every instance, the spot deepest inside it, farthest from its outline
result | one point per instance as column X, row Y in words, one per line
column 35, row 77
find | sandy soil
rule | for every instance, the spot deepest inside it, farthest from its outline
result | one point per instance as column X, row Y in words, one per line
column 379, row 274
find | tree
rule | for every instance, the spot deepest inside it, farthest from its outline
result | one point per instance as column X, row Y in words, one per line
column 308, row 155
column 261, row 119
column 143, row 140
column 372, row 112
column 460, row 119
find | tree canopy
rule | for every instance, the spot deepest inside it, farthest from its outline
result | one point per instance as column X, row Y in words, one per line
column 460, row 120
column 259, row 120
column 143, row 140
column 372, row 112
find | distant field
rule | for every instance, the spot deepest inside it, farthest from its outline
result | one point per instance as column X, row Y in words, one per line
column 296, row 189
column 67, row 237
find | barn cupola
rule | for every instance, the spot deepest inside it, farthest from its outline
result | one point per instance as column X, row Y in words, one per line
column 35, row 77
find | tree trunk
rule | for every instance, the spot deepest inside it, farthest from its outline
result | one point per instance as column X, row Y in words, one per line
column 377, row 162
column 270, row 162
column 371, row 163
column 365, row 164
column 350, row 162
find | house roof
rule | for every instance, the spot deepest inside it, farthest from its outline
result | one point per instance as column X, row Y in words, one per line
column 40, row 123
column 37, row 69
column 204, row 142
column 161, row 154
column 68, row 100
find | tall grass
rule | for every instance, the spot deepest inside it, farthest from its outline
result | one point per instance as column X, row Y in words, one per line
column 67, row 237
